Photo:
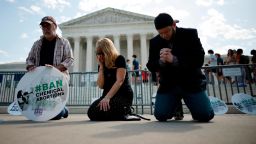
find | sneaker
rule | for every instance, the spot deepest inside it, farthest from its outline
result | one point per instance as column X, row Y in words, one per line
column 58, row 117
column 178, row 116
column 66, row 113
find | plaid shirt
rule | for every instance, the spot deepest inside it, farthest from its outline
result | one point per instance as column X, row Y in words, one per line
column 62, row 53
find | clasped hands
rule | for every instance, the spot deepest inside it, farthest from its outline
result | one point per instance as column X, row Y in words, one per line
column 166, row 55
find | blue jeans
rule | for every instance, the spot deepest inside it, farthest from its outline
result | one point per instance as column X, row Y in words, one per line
column 198, row 104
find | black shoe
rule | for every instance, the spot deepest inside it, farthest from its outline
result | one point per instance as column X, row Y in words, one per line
column 58, row 117
column 178, row 116
column 131, row 118
column 66, row 113
column 130, row 115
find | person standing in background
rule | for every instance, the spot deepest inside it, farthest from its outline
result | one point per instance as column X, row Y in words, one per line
column 253, row 60
column 230, row 60
column 242, row 59
column 128, row 65
column 136, row 67
column 219, row 69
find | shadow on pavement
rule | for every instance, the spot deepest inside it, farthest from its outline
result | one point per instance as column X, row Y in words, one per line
column 129, row 129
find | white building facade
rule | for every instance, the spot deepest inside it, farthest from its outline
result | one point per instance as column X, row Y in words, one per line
column 129, row 31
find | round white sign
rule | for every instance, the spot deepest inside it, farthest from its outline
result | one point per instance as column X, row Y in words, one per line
column 42, row 93
column 13, row 109
column 244, row 103
column 219, row 106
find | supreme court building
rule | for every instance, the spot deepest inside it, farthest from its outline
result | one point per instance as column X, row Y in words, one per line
column 129, row 31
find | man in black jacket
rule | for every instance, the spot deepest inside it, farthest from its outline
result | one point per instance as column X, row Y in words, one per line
column 176, row 55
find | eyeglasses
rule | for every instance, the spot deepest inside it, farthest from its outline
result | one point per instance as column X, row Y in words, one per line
column 99, row 53
column 45, row 25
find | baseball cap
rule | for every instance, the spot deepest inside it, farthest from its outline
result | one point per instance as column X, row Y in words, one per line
column 48, row 19
column 163, row 20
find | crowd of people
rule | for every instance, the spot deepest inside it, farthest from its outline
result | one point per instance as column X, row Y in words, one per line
column 233, row 57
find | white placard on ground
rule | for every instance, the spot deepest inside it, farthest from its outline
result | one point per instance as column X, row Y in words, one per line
column 42, row 93
column 13, row 109
column 219, row 106
column 244, row 103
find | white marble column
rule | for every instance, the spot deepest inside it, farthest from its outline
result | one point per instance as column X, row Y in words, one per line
column 76, row 54
column 89, row 53
column 129, row 46
column 117, row 42
column 143, row 50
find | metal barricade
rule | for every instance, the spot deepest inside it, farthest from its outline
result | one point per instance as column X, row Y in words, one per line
column 83, row 88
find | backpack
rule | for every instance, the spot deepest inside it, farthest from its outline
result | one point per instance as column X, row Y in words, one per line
column 244, row 59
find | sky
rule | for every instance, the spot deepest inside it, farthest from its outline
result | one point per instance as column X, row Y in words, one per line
column 221, row 24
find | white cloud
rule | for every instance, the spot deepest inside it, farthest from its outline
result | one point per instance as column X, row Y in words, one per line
column 11, row 1
column 89, row 6
column 147, row 7
column 220, row 2
column 208, row 3
column 26, row 10
column 3, row 53
column 215, row 26
column 224, row 49
column 32, row 9
column 79, row 14
column 35, row 9
column 175, row 13
column 204, row 2
column 205, row 43
column 92, row 5
column 64, row 19
column 24, row 35
column 56, row 4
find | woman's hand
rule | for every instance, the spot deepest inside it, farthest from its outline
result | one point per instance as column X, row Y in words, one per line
column 104, row 104
column 100, row 59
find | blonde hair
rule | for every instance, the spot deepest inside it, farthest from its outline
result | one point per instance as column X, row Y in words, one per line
column 110, row 52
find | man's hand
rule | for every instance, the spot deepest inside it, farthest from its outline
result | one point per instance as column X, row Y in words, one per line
column 61, row 67
column 166, row 55
column 47, row 65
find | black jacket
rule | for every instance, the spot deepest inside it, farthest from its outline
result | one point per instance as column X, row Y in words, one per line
column 187, row 48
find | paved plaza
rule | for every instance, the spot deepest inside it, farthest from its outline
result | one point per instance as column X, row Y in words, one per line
column 77, row 129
